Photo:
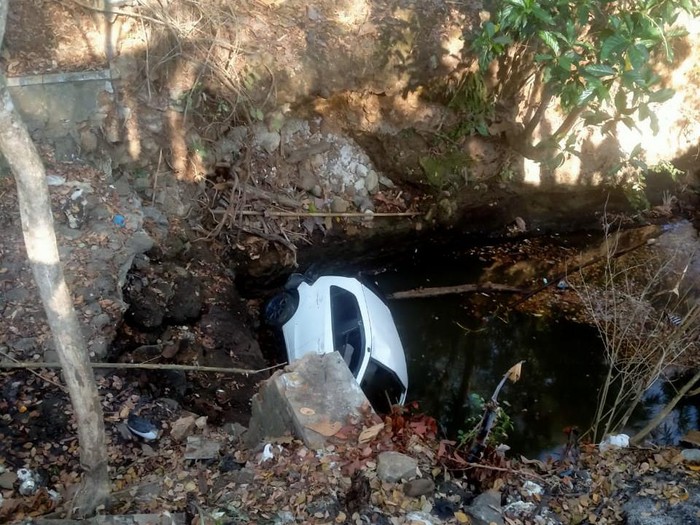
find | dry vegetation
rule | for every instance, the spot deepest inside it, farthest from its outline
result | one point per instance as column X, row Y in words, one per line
column 649, row 325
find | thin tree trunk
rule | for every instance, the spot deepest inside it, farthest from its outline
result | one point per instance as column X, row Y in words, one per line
column 40, row 240
column 639, row 436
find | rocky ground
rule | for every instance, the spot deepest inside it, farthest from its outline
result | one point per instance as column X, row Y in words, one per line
column 183, row 308
column 120, row 250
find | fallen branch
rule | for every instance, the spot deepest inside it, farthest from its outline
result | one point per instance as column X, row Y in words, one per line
column 468, row 465
column 321, row 214
column 37, row 374
column 146, row 366
column 462, row 288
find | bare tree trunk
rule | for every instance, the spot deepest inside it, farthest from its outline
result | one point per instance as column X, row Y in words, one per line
column 40, row 239
column 639, row 436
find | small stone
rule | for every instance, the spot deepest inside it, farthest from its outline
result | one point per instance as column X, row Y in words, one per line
column 312, row 13
column 372, row 181
column 236, row 430
column 242, row 477
column 7, row 480
column 88, row 141
column 486, row 509
column 92, row 309
column 201, row 448
column 361, row 170
column 394, row 466
column 182, row 427
column 25, row 345
column 418, row 487
column 386, row 182
column 691, row 455
column 339, row 205
column 55, row 180
column 307, row 179
column 266, row 140
column 316, row 191
column 316, row 161
column 16, row 295
column 140, row 242
column 225, row 150
column 421, row 518
column 363, row 203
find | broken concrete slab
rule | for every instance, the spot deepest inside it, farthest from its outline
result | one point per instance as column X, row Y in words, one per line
column 311, row 399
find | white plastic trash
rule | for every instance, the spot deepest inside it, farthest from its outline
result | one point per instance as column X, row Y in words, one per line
column 266, row 454
column 614, row 441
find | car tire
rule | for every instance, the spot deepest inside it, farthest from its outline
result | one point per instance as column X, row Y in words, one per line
column 281, row 308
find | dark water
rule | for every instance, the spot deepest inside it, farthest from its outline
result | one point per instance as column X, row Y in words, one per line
column 454, row 350
column 559, row 381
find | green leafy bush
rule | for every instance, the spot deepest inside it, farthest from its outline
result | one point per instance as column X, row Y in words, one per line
column 595, row 56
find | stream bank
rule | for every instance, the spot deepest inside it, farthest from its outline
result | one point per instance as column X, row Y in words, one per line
column 232, row 201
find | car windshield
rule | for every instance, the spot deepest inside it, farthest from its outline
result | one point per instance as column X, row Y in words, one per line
column 348, row 332
column 382, row 387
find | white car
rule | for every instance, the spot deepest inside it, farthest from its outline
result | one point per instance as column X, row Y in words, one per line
column 341, row 314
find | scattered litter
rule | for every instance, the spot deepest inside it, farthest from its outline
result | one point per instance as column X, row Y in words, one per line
column 563, row 285
column 24, row 474
column 28, row 483
column 142, row 427
column 75, row 210
column 266, row 454
column 119, row 220
column 54, row 495
column 55, row 180
column 530, row 488
column 614, row 441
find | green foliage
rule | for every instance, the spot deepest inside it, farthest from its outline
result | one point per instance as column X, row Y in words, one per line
column 630, row 171
column 475, row 105
column 667, row 167
column 446, row 170
column 499, row 432
column 594, row 54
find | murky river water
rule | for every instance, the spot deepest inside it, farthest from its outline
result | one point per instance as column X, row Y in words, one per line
column 454, row 350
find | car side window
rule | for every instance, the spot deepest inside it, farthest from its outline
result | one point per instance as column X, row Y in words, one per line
column 348, row 332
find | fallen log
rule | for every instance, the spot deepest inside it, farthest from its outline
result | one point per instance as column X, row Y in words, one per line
column 461, row 288
column 143, row 366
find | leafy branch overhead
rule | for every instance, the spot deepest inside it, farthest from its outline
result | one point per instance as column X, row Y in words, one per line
column 597, row 57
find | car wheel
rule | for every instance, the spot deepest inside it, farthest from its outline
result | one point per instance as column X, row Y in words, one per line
column 281, row 308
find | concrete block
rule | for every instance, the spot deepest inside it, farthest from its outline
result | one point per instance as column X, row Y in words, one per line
column 311, row 399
